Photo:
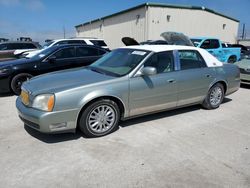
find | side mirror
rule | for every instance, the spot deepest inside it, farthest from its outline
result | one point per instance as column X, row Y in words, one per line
column 52, row 59
column 147, row 71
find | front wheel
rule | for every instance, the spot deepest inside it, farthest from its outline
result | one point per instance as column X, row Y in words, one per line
column 214, row 97
column 100, row 118
column 231, row 59
column 17, row 82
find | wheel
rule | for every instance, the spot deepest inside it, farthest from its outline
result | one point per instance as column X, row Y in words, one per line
column 231, row 59
column 214, row 97
column 17, row 82
column 100, row 118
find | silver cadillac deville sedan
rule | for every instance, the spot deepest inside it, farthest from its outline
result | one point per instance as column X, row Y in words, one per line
column 128, row 82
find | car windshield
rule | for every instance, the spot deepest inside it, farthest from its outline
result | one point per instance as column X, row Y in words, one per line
column 44, row 52
column 47, row 44
column 119, row 62
column 196, row 42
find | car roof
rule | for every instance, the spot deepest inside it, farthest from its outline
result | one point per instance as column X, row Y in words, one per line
column 210, row 60
column 21, row 42
column 58, row 40
column 160, row 48
column 203, row 38
column 76, row 45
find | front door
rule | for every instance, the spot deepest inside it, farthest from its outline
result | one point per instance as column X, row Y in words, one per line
column 155, row 92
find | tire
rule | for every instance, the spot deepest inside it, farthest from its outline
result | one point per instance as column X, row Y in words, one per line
column 231, row 59
column 17, row 82
column 94, row 122
column 214, row 97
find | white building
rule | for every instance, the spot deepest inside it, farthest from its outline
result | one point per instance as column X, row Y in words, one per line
column 149, row 20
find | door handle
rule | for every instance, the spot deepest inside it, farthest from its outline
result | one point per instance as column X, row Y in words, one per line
column 171, row 81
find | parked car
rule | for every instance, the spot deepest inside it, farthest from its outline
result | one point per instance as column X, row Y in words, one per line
column 215, row 47
column 125, row 83
column 244, row 50
column 14, row 73
column 86, row 41
column 244, row 66
column 7, row 49
column 170, row 38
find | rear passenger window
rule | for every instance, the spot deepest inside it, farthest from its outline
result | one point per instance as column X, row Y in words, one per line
column 191, row 59
column 162, row 61
column 86, row 51
column 76, row 42
column 210, row 44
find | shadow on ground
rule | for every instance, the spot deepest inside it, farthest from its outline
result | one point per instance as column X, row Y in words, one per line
column 6, row 94
column 55, row 138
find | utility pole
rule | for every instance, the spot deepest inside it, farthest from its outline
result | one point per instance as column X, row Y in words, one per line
column 243, row 32
column 64, row 32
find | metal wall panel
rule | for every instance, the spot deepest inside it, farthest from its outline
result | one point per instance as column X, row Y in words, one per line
column 131, row 24
column 190, row 22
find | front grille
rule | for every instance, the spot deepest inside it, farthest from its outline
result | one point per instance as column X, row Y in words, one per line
column 244, row 71
column 29, row 123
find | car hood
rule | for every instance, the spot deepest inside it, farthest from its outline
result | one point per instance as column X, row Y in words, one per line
column 244, row 64
column 63, row 80
column 175, row 38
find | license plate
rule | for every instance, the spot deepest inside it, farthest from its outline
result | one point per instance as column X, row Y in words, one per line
column 25, row 97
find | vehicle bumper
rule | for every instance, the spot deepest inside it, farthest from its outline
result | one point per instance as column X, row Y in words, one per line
column 245, row 78
column 47, row 122
column 4, row 83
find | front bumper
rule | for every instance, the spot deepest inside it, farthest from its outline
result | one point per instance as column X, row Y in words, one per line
column 245, row 78
column 47, row 122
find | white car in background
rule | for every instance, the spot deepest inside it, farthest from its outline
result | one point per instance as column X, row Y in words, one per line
column 88, row 41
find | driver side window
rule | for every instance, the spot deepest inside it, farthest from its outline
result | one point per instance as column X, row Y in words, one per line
column 162, row 61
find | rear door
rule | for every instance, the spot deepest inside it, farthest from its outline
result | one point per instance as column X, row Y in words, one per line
column 155, row 92
column 194, row 77
column 86, row 55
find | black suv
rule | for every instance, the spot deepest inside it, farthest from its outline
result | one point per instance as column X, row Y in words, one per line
column 13, row 73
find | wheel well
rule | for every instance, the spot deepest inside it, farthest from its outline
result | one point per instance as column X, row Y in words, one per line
column 224, row 85
column 232, row 56
column 115, row 99
column 16, row 73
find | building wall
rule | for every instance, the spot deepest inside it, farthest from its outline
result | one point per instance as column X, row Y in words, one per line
column 112, row 29
column 190, row 22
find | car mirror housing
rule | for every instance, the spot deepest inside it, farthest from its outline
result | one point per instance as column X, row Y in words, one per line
column 147, row 71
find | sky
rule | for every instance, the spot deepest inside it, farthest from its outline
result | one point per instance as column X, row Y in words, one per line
column 47, row 19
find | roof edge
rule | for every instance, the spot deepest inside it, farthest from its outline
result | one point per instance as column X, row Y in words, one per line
column 159, row 5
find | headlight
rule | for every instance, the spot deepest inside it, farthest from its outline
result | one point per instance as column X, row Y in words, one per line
column 44, row 102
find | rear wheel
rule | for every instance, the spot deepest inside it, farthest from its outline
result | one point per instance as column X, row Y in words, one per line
column 231, row 59
column 214, row 97
column 100, row 118
column 17, row 82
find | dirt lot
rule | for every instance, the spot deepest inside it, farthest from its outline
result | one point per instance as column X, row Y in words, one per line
column 189, row 147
